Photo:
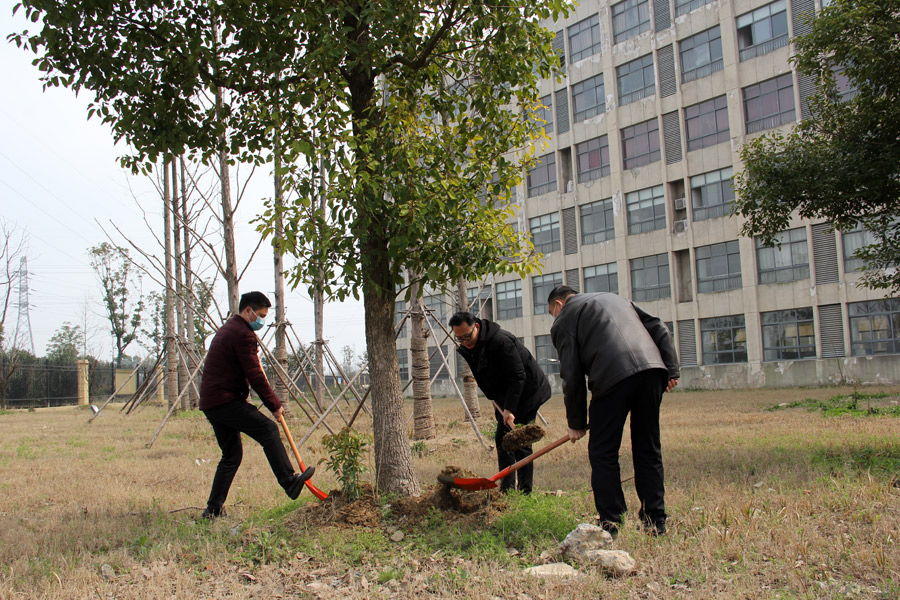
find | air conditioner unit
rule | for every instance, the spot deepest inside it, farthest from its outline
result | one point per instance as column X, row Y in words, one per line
column 570, row 186
column 681, row 225
column 680, row 204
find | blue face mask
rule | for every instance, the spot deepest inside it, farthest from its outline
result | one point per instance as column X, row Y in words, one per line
column 258, row 324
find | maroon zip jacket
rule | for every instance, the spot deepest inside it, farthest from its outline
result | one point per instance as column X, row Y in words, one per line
column 231, row 364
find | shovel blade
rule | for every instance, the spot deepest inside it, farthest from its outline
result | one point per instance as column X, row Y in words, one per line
column 472, row 484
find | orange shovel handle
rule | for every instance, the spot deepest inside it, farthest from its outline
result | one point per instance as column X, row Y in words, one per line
column 315, row 491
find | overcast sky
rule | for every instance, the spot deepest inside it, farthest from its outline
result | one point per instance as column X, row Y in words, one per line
column 60, row 181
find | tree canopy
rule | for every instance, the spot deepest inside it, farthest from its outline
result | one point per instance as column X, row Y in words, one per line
column 843, row 164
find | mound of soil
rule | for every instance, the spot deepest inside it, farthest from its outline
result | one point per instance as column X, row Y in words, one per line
column 522, row 437
column 336, row 509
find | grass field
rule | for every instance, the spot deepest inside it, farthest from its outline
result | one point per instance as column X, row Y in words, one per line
column 771, row 494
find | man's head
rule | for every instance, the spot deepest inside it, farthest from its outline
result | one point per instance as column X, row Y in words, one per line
column 558, row 298
column 253, row 305
column 465, row 328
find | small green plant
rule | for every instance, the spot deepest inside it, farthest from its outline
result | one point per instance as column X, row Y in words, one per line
column 418, row 448
column 388, row 574
column 346, row 451
column 189, row 414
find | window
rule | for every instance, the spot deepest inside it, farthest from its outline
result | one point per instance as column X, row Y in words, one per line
column 542, row 176
column 712, row 194
column 584, row 38
column 509, row 299
column 436, row 363
column 602, row 278
column 636, row 80
column 769, row 103
column 686, row 6
column 545, row 354
column 479, row 299
column 597, row 222
column 853, row 240
column 650, row 278
column 646, row 210
column 403, row 363
column 640, row 144
column 588, row 98
column 763, row 30
column 706, row 123
column 874, row 327
column 724, row 340
column 436, row 310
column 545, row 232
column 788, row 334
column 701, row 54
column 544, row 113
column 788, row 262
column 593, row 159
column 630, row 18
column 719, row 267
column 399, row 309
column 541, row 286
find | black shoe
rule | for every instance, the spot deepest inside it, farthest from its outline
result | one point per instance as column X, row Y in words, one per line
column 654, row 528
column 296, row 486
column 212, row 513
column 609, row 527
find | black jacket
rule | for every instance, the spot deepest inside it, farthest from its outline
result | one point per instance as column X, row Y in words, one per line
column 606, row 338
column 505, row 370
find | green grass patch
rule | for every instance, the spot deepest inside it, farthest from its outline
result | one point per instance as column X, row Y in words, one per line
column 189, row 414
column 855, row 404
column 536, row 520
column 879, row 460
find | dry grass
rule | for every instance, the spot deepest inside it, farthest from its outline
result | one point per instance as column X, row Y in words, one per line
column 762, row 504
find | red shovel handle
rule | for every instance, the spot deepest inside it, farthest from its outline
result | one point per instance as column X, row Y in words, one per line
column 530, row 458
column 315, row 491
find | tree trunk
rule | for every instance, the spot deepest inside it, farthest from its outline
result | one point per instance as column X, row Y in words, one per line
column 171, row 356
column 319, row 314
column 423, row 412
column 231, row 272
column 470, row 388
column 393, row 459
column 177, row 226
column 191, row 334
column 280, row 334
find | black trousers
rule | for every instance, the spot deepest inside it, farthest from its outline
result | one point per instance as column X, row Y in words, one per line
column 525, row 475
column 641, row 395
column 228, row 422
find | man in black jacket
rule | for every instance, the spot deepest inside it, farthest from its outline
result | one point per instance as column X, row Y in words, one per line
column 629, row 360
column 507, row 373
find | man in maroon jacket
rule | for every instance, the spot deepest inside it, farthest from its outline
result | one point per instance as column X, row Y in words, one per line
column 232, row 366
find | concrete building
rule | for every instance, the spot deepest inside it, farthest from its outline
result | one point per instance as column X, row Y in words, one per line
column 633, row 194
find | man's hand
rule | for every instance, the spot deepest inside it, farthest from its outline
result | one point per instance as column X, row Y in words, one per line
column 576, row 434
column 509, row 419
column 278, row 413
column 672, row 384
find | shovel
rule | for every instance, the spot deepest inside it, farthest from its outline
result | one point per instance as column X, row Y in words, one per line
column 315, row 491
column 480, row 483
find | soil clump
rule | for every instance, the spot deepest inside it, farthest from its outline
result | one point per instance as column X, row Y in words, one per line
column 522, row 437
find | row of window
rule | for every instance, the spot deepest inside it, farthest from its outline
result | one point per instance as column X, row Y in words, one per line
column 786, row 335
column 766, row 104
column 758, row 32
column 718, row 268
column 712, row 195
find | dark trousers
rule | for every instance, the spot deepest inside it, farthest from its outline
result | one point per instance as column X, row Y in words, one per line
column 525, row 475
column 641, row 395
column 228, row 422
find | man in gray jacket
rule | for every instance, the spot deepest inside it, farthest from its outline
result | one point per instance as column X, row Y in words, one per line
column 629, row 360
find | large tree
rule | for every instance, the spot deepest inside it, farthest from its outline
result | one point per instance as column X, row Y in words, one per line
column 66, row 343
column 122, row 296
column 13, row 248
column 409, row 110
column 843, row 163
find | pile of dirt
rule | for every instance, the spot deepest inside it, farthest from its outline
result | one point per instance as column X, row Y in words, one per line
column 522, row 437
column 448, row 498
column 337, row 509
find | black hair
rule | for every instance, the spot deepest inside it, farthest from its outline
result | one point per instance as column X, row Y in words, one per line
column 462, row 317
column 560, row 292
column 254, row 300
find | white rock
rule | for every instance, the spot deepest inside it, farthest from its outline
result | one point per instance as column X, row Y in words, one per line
column 583, row 539
column 617, row 562
column 552, row 570
column 107, row 572
column 397, row 536
column 318, row 587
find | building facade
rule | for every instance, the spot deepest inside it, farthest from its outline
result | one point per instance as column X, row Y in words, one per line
column 633, row 194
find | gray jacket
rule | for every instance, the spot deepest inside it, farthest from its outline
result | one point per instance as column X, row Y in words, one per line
column 606, row 338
